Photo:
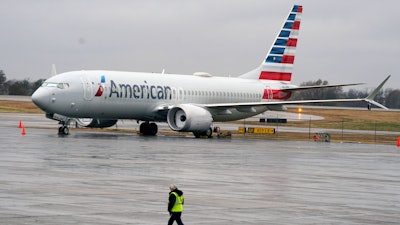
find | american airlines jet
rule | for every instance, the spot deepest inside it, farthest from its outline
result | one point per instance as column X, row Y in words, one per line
column 188, row 103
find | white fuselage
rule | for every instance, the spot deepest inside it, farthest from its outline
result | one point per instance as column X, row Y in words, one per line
column 186, row 102
column 140, row 96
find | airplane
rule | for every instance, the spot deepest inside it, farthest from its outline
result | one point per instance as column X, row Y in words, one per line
column 188, row 103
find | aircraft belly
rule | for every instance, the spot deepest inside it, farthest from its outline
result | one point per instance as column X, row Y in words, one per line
column 117, row 109
column 221, row 115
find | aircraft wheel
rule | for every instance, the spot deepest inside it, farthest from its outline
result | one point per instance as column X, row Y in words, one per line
column 147, row 128
column 197, row 134
column 142, row 128
column 153, row 128
column 207, row 133
column 63, row 130
column 66, row 130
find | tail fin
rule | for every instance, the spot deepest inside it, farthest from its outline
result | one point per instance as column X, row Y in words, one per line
column 278, row 64
column 53, row 70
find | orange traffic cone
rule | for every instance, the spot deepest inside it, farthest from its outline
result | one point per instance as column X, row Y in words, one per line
column 398, row 142
column 20, row 124
column 23, row 131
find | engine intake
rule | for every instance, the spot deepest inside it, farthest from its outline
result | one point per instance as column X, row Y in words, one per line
column 189, row 118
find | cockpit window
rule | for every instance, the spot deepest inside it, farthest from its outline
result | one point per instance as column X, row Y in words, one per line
column 62, row 85
column 49, row 84
column 57, row 85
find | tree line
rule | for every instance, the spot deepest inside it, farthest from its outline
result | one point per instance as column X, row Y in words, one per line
column 18, row 87
column 388, row 97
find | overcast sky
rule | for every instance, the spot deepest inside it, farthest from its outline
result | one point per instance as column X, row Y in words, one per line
column 340, row 41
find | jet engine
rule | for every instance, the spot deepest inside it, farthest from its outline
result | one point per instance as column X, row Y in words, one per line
column 95, row 123
column 189, row 118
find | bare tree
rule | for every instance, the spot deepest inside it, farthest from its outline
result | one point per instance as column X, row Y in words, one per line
column 3, row 79
column 392, row 99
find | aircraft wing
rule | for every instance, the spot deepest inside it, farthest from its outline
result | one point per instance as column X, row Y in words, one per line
column 272, row 103
column 369, row 99
column 163, row 109
column 300, row 88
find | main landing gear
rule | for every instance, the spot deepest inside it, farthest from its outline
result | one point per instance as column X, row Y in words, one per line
column 149, row 129
column 207, row 133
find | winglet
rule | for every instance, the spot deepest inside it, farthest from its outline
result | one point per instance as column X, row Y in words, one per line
column 370, row 97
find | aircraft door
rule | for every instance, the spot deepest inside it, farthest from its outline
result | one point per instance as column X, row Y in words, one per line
column 87, row 88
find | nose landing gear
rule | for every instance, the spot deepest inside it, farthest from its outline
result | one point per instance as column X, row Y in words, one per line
column 64, row 128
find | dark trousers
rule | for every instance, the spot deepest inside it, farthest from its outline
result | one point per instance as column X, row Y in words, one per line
column 175, row 216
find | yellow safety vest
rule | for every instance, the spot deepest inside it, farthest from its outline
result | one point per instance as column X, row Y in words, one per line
column 178, row 206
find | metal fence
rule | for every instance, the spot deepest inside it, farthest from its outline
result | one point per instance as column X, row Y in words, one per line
column 327, row 131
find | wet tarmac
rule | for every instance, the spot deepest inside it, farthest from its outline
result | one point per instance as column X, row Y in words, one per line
column 114, row 178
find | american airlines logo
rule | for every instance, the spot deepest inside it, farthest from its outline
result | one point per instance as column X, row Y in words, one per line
column 100, row 89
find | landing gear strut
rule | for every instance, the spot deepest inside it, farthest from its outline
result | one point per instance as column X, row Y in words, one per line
column 149, row 129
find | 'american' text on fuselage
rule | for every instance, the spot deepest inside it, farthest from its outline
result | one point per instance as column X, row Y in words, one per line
column 140, row 91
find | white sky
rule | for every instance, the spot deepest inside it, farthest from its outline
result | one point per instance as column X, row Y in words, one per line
column 341, row 41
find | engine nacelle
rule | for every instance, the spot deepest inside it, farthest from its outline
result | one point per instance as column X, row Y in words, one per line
column 95, row 123
column 189, row 118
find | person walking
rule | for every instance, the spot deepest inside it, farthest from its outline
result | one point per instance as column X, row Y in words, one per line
column 175, row 205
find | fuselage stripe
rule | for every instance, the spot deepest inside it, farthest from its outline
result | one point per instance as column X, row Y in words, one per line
column 267, row 75
column 276, row 94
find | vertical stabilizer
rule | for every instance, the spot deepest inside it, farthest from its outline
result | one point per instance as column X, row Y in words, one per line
column 53, row 70
column 278, row 64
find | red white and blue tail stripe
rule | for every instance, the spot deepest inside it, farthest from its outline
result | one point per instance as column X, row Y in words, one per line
column 278, row 64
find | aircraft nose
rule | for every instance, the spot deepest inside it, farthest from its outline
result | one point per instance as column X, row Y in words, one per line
column 41, row 98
